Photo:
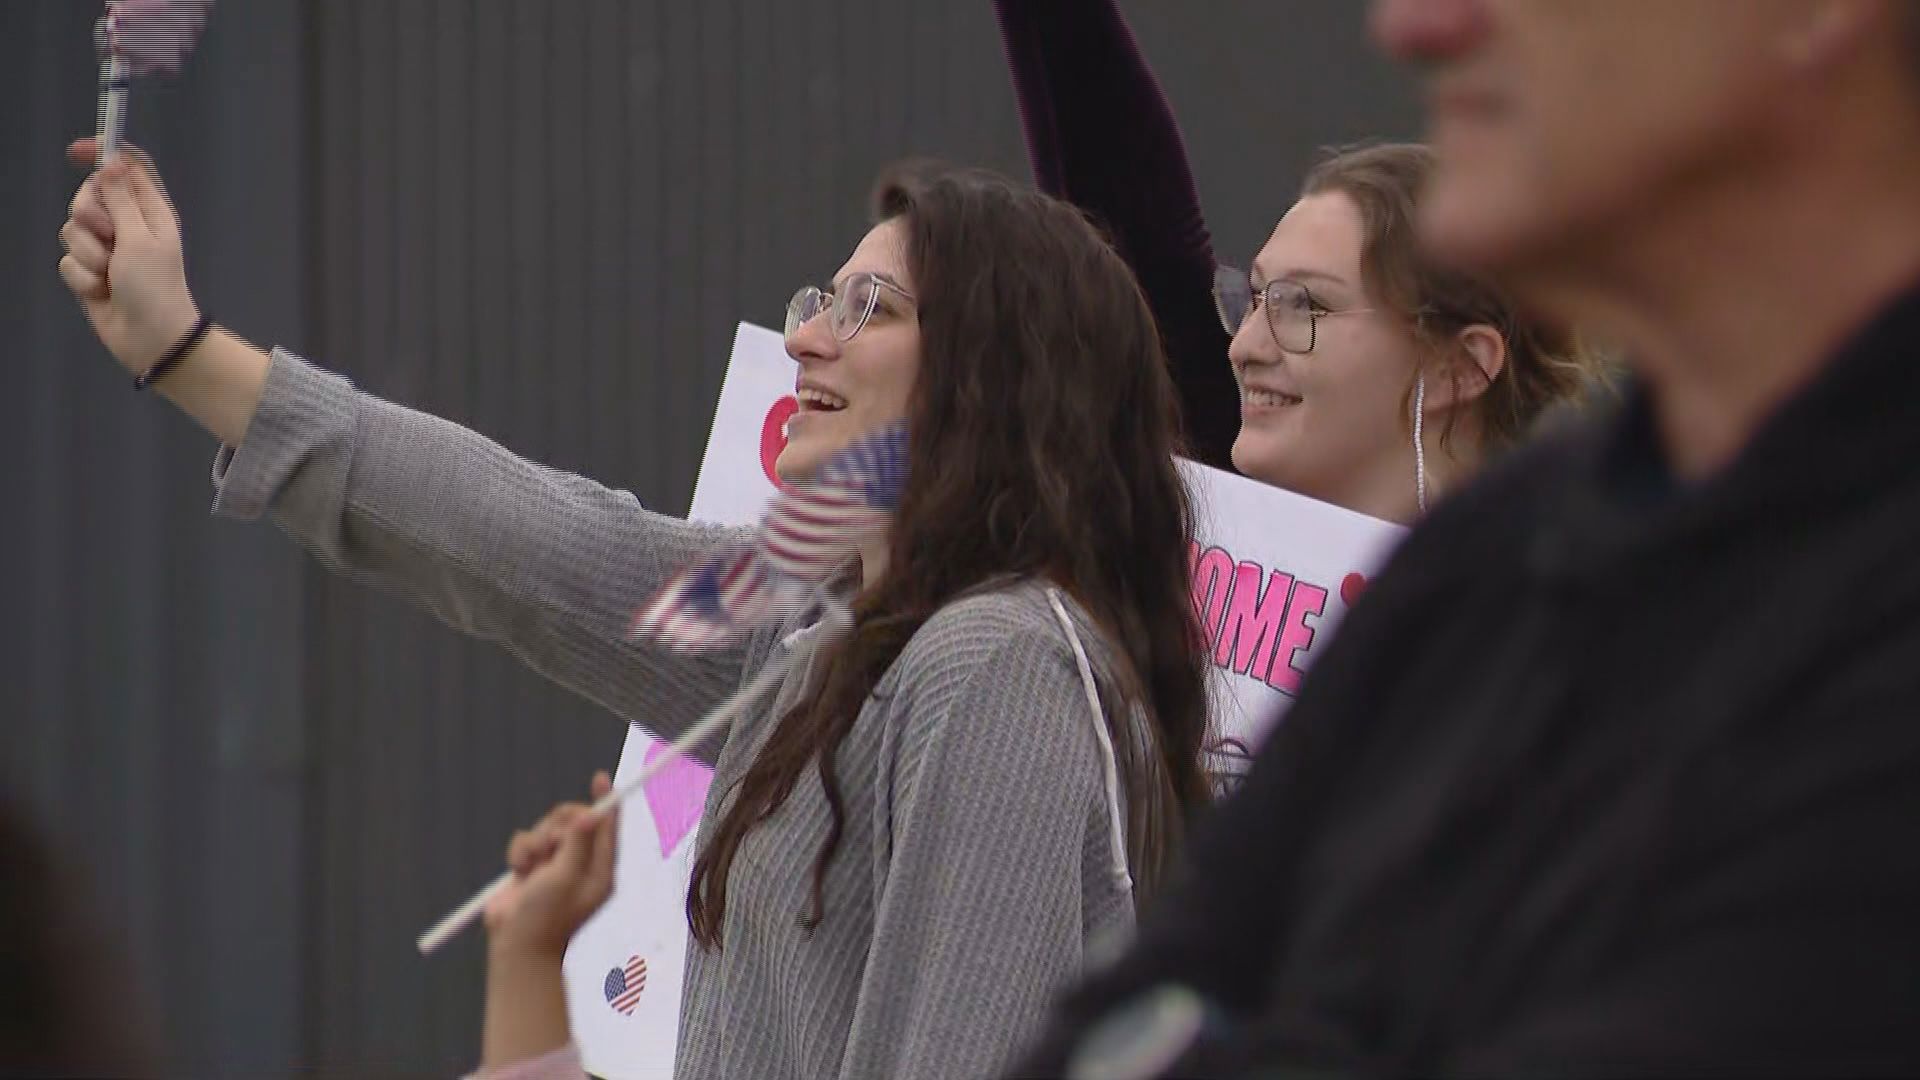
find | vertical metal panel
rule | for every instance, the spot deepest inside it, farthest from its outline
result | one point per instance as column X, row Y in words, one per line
column 1261, row 89
column 152, row 713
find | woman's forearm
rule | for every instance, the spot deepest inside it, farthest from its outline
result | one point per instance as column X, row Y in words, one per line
column 1101, row 135
column 526, row 1011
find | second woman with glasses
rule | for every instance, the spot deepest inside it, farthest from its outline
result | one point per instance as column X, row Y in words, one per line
column 939, row 811
column 1364, row 375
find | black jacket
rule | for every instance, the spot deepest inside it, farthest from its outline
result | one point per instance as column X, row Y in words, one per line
column 1605, row 776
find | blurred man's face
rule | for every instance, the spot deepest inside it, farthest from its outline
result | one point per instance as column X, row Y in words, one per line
column 1561, row 121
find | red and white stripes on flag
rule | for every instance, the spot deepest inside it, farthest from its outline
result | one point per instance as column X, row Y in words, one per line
column 810, row 531
column 623, row 985
column 155, row 35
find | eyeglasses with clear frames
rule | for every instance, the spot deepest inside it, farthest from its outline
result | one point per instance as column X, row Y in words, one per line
column 1293, row 315
column 847, row 308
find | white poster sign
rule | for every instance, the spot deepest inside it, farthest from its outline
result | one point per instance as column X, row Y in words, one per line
column 1272, row 573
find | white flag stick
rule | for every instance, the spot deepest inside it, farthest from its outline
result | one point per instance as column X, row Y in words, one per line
column 112, row 121
column 724, row 714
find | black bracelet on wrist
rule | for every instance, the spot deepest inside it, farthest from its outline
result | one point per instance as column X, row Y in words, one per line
column 179, row 352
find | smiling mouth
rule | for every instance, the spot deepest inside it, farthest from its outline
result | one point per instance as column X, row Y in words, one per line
column 1267, row 399
column 812, row 400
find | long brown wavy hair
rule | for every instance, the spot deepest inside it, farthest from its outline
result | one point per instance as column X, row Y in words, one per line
column 1042, row 426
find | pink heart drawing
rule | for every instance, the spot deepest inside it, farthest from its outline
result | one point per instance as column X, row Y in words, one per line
column 675, row 796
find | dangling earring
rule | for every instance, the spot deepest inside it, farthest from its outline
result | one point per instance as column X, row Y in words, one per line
column 1420, row 443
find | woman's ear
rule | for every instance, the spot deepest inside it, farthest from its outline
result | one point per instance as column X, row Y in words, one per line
column 1478, row 356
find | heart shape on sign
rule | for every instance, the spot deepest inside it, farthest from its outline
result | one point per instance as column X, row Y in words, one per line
column 623, row 985
column 773, row 434
column 1351, row 587
column 675, row 797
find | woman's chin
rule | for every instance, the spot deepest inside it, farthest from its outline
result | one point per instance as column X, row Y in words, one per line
column 790, row 466
column 800, row 459
column 1260, row 457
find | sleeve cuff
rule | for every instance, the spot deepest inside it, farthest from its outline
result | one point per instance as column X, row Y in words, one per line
column 560, row 1064
column 301, row 406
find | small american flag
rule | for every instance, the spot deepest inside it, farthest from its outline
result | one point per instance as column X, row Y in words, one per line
column 155, row 35
column 810, row 530
column 623, row 985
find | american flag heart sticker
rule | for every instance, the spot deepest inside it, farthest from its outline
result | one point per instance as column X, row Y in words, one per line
column 623, row 985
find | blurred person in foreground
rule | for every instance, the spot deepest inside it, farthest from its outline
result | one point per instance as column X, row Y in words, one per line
column 52, row 1021
column 1616, row 771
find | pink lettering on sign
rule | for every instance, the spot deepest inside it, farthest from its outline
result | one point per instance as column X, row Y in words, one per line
column 1251, row 628
column 1212, row 580
column 1297, row 638
column 1256, row 619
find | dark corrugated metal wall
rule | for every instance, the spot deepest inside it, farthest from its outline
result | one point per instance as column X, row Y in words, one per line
column 541, row 218
column 151, row 660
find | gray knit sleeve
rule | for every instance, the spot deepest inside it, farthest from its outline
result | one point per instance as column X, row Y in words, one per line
column 548, row 564
column 999, row 868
